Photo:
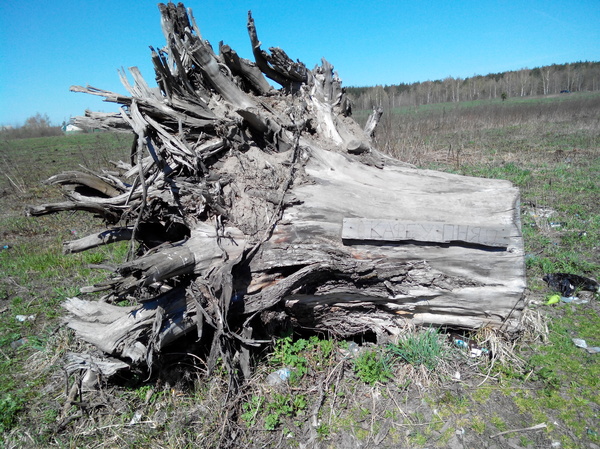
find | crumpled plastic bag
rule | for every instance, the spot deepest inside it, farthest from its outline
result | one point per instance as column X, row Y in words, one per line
column 567, row 284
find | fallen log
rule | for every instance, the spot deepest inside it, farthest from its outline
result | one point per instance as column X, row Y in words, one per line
column 257, row 207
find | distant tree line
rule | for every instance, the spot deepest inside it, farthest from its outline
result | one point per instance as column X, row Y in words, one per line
column 37, row 125
column 547, row 80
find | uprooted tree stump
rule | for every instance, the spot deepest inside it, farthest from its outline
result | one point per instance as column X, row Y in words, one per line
column 255, row 208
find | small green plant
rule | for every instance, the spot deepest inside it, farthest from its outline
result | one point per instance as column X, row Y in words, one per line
column 66, row 292
column 525, row 441
column 549, row 378
column 498, row 423
column 8, row 338
column 457, row 403
column 272, row 421
column 146, row 393
column 391, row 414
column 283, row 405
column 10, row 406
column 419, row 439
column 302, row 354
column 424, row 348
column 323, row 430
column 50, row 416
column 323, row 348
column 272, row 409
column 289, row 353
column 372, row 367
column 251, row 410
column 300, row 403
column 478, row 425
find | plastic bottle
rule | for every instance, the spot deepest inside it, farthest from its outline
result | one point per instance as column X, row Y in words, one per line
column 353, row 349
column 278, row 377
column 461, row 343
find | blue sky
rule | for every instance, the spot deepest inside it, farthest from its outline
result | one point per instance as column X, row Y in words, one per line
column 48, row 46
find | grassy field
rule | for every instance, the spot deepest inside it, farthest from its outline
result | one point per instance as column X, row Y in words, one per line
column 422, row 391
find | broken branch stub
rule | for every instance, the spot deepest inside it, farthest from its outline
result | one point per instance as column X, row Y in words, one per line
column 254, row 207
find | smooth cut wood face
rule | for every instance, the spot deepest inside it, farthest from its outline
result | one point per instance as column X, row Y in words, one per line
column 431, row 232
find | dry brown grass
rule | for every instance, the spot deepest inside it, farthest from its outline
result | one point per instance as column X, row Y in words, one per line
column 459, row 133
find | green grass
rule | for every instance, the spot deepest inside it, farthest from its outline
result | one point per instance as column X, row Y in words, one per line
column 570, row 375
column 10, row 406
column 35, row 282
column 499, row 423
column 36, row 277
column 510, row 171
column 478, row 425
column 423, row 348
column 51, row 155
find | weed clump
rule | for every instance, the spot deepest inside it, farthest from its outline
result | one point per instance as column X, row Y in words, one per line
column 10, row 406
column 424, row 348
column 373, row 366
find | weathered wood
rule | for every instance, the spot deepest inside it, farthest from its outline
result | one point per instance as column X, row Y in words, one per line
column 203, row 55
column 102, row 365
column 253, row 205
column 279, row 67
column 103, row 186
column 44, row 209
column 373, row 121
column 98, row 239
column 102, row 120
column 125, row 331
column 460, row 285
column 162, row 111
column 431, row 232
column 358, row 147
column 246, row 70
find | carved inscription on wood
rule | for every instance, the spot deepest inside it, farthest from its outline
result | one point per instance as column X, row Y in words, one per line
column 434, row 232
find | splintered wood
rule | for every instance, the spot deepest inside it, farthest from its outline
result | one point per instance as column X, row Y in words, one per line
column 254, row 209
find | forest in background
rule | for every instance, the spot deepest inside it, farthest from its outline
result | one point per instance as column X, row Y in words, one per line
column 547, row 80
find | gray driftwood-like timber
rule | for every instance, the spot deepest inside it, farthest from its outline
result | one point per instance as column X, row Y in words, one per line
column 255, row 209
column 364, row 229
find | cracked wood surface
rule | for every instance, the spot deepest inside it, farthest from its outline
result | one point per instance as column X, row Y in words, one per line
column 248, row 207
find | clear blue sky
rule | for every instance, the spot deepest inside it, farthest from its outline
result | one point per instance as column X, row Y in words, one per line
column 47, row 46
